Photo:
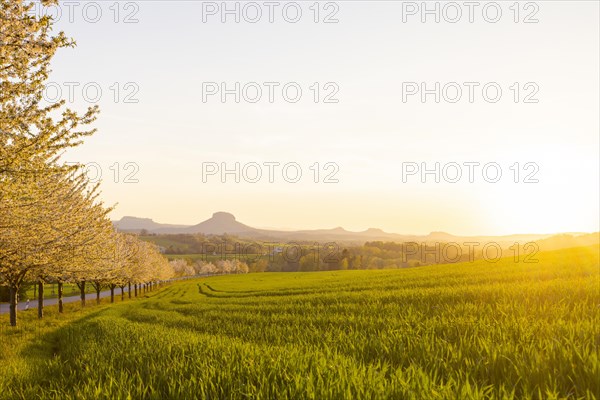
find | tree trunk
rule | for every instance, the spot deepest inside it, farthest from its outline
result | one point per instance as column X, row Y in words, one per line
column 98, row 294
column 136, row 289
column 13, row 304
column 82, row 292
column 41, row 299
column 112, row 293
column 122, row 293
column 129, row 290
column 60, row 297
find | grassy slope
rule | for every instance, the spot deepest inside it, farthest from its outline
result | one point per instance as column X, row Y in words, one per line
column 458, row 331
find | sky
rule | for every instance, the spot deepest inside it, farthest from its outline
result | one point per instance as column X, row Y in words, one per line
column 359, row 106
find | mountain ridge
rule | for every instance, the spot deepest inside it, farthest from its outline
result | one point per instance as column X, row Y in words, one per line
column 223, row 222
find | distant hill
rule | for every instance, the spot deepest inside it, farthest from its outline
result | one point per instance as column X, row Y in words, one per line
column 566, row 240
column 225, row 223
column 220, row 223
column 134, row 224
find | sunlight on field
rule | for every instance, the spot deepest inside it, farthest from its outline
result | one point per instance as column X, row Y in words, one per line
column 473, row 330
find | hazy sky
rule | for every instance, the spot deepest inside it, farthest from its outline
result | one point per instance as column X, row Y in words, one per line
column 368, row 58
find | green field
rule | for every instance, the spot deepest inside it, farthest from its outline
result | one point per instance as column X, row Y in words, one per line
column 473, row 330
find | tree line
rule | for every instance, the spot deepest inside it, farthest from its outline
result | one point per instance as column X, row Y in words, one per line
column 261, row 256
column 182, row 268
column 53, row 227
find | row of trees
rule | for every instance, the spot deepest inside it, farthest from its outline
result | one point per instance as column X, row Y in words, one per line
column 53, row 228
column 224, row 267
column 263, row 256
column 182, row 268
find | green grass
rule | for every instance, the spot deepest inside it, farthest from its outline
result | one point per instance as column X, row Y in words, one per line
column 473, row 330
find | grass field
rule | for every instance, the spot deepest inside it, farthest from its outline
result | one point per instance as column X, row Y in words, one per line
column 473, row 330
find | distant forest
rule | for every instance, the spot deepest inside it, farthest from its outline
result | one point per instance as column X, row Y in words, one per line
column 312, row 256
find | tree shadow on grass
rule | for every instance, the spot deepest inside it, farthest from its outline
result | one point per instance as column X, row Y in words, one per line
column 38, row 365
column 32, row 366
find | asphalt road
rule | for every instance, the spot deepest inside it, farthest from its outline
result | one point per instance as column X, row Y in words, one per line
column 90, row 297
